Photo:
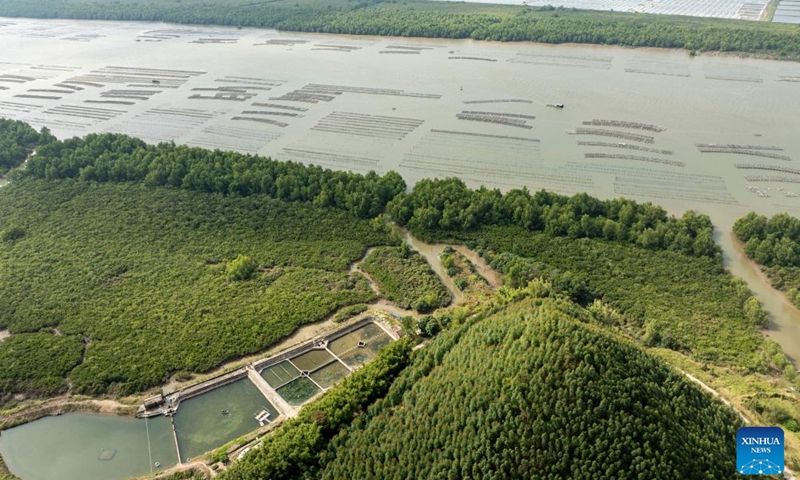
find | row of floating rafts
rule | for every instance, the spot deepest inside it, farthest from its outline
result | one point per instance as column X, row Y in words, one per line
column 742, row 151
column 771, row 178
column 511, row 122
column 735, row 146
column 628, row 146
column 776, row 168
column 612, row 133
column 625, row 124
column 763, row 193
column 664, row 161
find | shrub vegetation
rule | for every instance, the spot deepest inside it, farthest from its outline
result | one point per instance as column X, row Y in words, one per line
column 404, row 277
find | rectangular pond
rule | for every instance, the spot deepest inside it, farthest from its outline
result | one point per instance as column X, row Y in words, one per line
column 87, row 446
column 212, row 419
column 360, row 346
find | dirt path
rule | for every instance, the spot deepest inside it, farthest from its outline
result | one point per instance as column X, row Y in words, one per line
column 487, row 272
column 431, row 254
column 4, row 334
column 56, row 406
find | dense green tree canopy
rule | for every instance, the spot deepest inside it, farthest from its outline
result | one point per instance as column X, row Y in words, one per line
column 448, row 205
column 532, row 393
column 17, row 141
column 120, row 158
column 774, row 243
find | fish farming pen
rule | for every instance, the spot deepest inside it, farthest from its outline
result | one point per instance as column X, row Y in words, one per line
column 130, row 94
column 253, row 81
column 240, row 139
column 621, row 156
column 627, row 146
column 50, row 90
column 265, row 112
column 335, row 48
column 409, row 47
column 332, row 157
column 282, row 42
column 339, row 89
column 788, row 78
column 66, row 85
column 510, row 122
column 232, row 94
column 625, row 124
column 218, row 41
column 401, row 52
column 261, row 120
column 644, row 172
column 767, row 167
column 634, row 137
column 771, row 178
column 505, row 100
column 284, row 107
column 499, row 114
column 111, row 102
column 376, row 126
column 84, row 112
column 473, row 58
column 741, row 147
column 43, row 97
column 741, row 151
column 673, row 184
column 688, row 196
column 599, row 62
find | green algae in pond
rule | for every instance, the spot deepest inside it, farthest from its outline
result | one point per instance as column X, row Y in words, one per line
column 86, row 446
column 312, row 359
column 212, row 419
column 360, row 346
column 298, row 391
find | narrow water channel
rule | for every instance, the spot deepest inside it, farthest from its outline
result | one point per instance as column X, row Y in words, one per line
column 784, row 325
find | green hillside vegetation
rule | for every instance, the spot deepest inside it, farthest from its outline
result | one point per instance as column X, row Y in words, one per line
column 774, row 243
column 659, row 273
column 404, row 277
column 533, row 393
column 422, row 18
column 140, row 273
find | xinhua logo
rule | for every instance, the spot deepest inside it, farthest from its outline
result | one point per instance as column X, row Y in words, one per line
column 759, row 450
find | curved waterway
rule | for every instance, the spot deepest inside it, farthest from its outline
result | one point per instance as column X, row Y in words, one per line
column 85, row 446
column 436, row 108
column 784, row 317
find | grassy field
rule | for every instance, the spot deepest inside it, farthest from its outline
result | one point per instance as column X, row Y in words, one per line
column 138, row 274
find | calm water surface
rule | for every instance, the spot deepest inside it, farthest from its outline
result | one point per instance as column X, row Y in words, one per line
column 325, row 99
column 71, row 447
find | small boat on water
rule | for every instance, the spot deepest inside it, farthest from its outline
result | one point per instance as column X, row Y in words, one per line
column 556, row 105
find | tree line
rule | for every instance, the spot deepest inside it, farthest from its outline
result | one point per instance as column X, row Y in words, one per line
column 449, row 206
column 17, row 141
column 422, row 18
column 120, row 158
column 773, row 243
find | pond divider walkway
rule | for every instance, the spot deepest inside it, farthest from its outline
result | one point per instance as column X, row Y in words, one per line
column 277, row 401
column 168, row 404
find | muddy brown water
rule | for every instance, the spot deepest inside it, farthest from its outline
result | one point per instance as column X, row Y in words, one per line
column 448, row 108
